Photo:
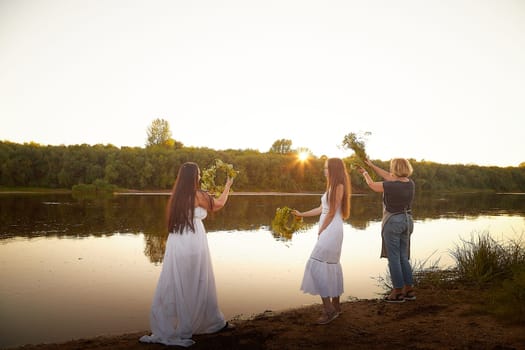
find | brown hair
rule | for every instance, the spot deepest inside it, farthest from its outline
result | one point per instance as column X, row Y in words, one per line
column 180, row 208
column 401, row 167
column 337, row 175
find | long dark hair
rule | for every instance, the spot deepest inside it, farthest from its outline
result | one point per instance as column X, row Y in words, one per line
column 337, row 175
column 181, row 204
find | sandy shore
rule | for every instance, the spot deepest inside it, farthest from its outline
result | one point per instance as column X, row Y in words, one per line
column 438, row 319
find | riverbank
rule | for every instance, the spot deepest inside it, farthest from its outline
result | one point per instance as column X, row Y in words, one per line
column 438, row 319
column 34, row 190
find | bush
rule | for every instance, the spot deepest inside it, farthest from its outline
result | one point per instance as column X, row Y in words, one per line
column 97, row 188
column 480, row 261
column 499, row 269
column 509, row 299
column 483, row 261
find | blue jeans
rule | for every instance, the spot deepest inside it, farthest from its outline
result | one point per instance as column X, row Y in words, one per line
column 396, row 235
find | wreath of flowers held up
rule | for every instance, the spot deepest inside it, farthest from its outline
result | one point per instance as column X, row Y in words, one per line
column 356, row 143
column 285, row 223
column 216, row 173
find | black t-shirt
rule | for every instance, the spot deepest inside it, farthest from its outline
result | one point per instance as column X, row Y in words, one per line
column 398, row 195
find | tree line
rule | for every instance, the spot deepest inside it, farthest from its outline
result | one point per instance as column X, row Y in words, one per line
column 155, row 167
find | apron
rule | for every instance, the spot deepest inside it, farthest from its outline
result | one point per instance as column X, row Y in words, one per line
column 386, row 216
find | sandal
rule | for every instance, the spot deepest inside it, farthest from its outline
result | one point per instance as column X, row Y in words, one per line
column 339, row 310
column 327, row 317
column 227, row 327
column 410, row 295
column 399, row 298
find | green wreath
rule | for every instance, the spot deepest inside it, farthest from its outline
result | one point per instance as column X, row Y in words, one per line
column 356, row 142
column 219, row 171
column 285, row 223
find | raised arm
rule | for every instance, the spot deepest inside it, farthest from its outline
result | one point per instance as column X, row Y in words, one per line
column 381, row 172
column 218, row 203
column 376, row 186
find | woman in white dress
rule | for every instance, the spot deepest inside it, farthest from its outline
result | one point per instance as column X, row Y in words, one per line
column 323, row 274
column 185, row 301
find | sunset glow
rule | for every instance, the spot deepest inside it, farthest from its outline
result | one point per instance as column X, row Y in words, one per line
column 309, row 72
column 302, row 156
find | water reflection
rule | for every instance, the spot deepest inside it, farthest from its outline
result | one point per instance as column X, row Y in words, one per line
column 62, row 216
column 59, row 215
column 78, row 268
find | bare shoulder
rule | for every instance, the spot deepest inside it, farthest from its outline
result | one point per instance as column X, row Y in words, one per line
column 202, row 199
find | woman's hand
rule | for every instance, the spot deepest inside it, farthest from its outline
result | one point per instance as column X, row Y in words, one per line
column 218, row 203
column 361, row 170
column 296, row 212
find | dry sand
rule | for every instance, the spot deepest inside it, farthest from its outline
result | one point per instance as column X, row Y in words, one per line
column 438, row 319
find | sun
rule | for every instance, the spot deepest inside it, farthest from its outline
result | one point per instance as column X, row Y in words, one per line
column 303, row 156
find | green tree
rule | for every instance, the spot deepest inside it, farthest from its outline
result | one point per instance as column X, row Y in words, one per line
column 282, row 146
column 159, row 133
column 34, row 165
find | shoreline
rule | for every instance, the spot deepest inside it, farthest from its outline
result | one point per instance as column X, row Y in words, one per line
column 438, row 319
column 263, row 193
column 129, row 192
column 157, row 192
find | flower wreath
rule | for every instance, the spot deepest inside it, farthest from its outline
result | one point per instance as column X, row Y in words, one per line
column 356, row 142
column 209, row 176
column 285, row 223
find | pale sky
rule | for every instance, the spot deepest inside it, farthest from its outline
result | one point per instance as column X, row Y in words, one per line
column 442, row 81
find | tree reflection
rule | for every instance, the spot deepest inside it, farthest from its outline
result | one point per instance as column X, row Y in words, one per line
column 60, row 215
column 155, row 247
column 285, row 236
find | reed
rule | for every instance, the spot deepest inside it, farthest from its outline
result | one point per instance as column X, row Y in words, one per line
column 497, row 270
column 427, row 273
column 493, row 271
column 483, row 261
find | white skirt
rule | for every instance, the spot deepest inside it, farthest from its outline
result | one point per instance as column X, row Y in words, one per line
column 323, row 274
column 185, row 301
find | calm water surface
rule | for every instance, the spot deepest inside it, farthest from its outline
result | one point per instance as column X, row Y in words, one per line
column 73, row 268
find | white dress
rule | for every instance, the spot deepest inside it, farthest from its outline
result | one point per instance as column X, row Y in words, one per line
column 323, row 274
column 185, row 301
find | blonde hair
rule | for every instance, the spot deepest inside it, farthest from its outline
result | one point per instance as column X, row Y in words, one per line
column 401, row 167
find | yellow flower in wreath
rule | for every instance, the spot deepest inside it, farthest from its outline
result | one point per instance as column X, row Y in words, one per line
column 214, row 177
column 284, row 223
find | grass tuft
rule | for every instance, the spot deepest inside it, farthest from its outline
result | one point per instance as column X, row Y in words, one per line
column 493, row 270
